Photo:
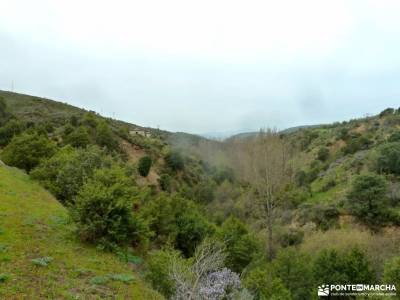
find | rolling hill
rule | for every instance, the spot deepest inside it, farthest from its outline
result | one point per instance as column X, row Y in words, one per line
column 193, row 188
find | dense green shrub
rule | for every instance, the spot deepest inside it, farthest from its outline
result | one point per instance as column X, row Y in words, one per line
column 300, row 178
column 294, row 197
column 105, row 137
column 328, row 267
column 392, row 120
column 79, row 137
column 224, row 174
column 89, row 119
column 331, row 267
column 157, row 273
column 27, row 150
column 263, row 286
column 291, row 237
column 74, row 120
column 162, row 212
column 204, row 192
column 307, row 137
column 388, row 159
column 343, row 134
column 294, row 270
column 4, row 113
column 323, row 154
column 144, row 166
column 165, row 182
column 386, row 112
column 329, row 184
column 65, row 173
column 358, row 267
column 68, row 128
column 192, row 228
column 367, row 198
column 315, row 168
column 325, row 216
column 45, row 127
column 174, row 160
column 241, row 247
column 394, row 137
column 8, row 130
column 123, row 132
column 103, row 210
column 177, row 221
column 391, row 274
column 357, row 143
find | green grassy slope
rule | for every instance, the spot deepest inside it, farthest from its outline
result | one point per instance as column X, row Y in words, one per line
column 34, row 225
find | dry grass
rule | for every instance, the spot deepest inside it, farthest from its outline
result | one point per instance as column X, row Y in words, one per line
column 379, row 247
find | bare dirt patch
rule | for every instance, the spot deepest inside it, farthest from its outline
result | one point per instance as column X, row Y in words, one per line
column 134, row 152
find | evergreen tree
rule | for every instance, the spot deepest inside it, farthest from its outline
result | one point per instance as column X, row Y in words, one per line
column 144, row 166
column 367, row 198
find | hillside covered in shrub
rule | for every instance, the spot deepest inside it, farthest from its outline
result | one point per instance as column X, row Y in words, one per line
column 270, row 215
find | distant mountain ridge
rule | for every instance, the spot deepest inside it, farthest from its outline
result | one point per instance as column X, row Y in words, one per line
column 284, row 131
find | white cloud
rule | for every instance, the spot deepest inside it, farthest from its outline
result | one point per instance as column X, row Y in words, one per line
column 211, row 28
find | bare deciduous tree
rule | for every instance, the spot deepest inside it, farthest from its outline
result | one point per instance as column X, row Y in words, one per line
column 265, row 165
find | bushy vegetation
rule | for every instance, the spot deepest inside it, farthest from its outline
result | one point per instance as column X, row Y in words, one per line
column 389, row 158
column 367, row 198
column 356, row 143
column 165, row 182
column 27, row 150
column 323, row 154
column 294, row 275
column 78, row 137
column 331, row 266
column 192, row 228
column 174, row 160
column 263, row 285
column 144, row 166
column 392, row 271
column 261, row 201
column 293, row 269
column 103, row 209
column 9, row 130
column 37, row 245
column 158, row 271
column 241, row 247
column 4, row 112
column 324, row 216
column 204, row 192
column 105, row 137
column 178, row 221
column 65, row 173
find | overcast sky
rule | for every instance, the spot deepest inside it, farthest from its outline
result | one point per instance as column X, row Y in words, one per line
column 209, row 65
